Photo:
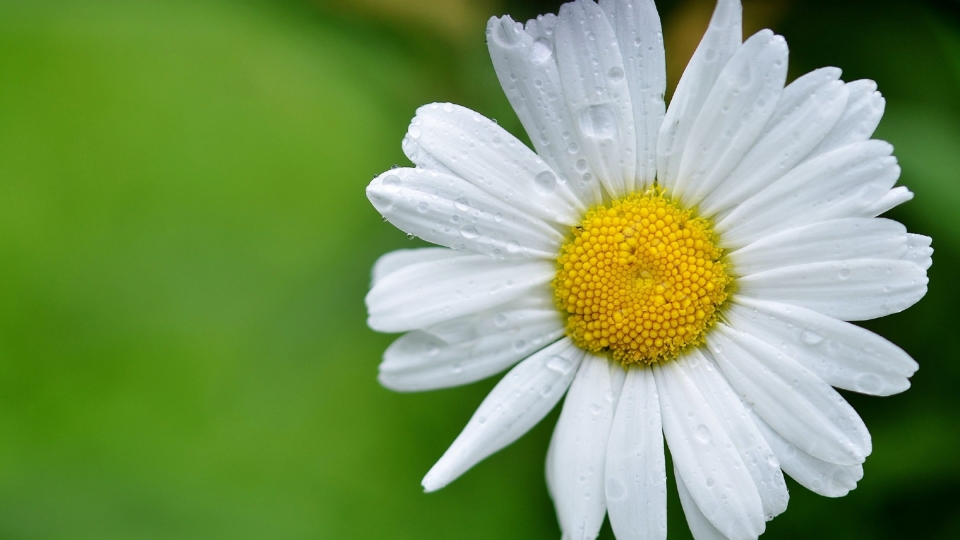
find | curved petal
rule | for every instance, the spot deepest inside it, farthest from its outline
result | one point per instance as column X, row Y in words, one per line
column 891, row 199
column 520, row 400
column 852, row 290
column 860, row 118
column 449, row 211
column 575, row 462
column 389, row 263
column 733, row 116
column 594, row 83
column 719, row 43
column 706, row 458
column 919, row 250
column 700, row 526
column 802, row 408
column 843, row 355
column 430, row 292
column 636, row 477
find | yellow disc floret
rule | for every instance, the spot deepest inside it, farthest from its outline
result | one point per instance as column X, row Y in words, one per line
column 641, row 279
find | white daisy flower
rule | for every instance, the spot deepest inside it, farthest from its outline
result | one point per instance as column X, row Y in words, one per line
column 681, row 273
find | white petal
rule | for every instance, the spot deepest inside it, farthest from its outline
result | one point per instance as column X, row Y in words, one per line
column 451, row 212
column 427, row 293
column 595, row 85
column 489, row 157
column 476, row 325
column 733, row 116
column 636, row 477
column 706, row 458
column 520, row 400
column 756, row 454
column 835, row 185
column 389, row 263
column 919, row 250
column 700, row 526
column 842, row 354
column 860, row 118
column 420, row 157
column 808, row 108
column 821, row 477
column 833, row 240
column 575, row 462
column 893, row 198
column 802, row 408
column 719, row 43
column 637, row 25
column 852, row 290
column 526, row 65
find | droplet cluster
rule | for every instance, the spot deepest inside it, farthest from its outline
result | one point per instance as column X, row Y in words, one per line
column 641, row 279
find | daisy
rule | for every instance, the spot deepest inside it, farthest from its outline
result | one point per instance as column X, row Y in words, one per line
column 681, row 275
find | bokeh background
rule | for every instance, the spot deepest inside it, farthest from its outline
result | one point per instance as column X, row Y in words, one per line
column 185, row 246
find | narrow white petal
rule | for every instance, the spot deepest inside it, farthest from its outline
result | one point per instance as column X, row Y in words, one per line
column 637, row 25
column 389, row 263
column 733, row 116
column 706, row 458
column 719, row 43
column 852, row 290
column 833, row 240
column 842, row 354
column 520, row 400
column 575, row 463
column 802, row 408
column 476, row 325
column 860, row 118
column 808, row 108
column 893, row 198
column 756, row 454
column 835, row 185
column 430, row 292
column 919, row 250
column 420, row 157
column 526, row 64
column 451, row 212
column 700, row 526
column 821, row 477
column 595, row 85
column 489, row 157
column 636, row 477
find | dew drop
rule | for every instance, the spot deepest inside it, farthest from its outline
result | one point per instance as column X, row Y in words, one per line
column 615, row 74
column 845, row 273
column 810, row 337
column 598, row 121
column 513, row 246
column 546, row 182
column 422, row 207
column 391, row 182
column 541, row 52
column 703, row 433
column 469, row 232
column 559, row 364
column 461, row 204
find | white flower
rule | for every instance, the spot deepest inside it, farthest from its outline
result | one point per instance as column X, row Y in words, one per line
column 681, row 273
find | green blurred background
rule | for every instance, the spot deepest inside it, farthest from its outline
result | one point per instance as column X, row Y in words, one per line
column 185, row 246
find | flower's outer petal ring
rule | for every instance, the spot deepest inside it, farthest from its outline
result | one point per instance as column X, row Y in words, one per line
column 640, row 37
column 860, row 118
column 735, row 112
column 389, row 263
column 430, row 292
column 805, row 410
column 719, row 43
column 842, row 354
column 449, row 211
column 636, row 477
column 575, row 461
column 521, row 399
column 489, row 157
column 700, row 526
column 595, row 85
column 852, row 290
column 706, row 458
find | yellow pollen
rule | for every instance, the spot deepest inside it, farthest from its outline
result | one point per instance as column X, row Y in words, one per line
column 641, row 279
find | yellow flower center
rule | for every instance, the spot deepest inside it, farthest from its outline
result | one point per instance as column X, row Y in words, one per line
column 641, row 279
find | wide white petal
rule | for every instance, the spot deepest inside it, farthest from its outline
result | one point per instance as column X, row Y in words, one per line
column 449, row 211
column 842, row 354
column 757, row 456
column 733, row 116
column 852, row 290
column 389, row 263
column 808, row 108
column 706, row 458
column 520, row 400
column 799, row 405
column 575, row 462
column 636, row 477
column 526, row 65
column 919, row 250
column 833, row 240
column 821, row 477
column 700, row 526
column 430, row 292
column 719, row 43
column 860, row 118
column 595, row 85
column 637, row 25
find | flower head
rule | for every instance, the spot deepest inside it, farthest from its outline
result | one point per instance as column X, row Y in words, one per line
column 681, row 274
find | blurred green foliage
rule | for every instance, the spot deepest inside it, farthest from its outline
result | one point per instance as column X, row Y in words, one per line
column 185, row 246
